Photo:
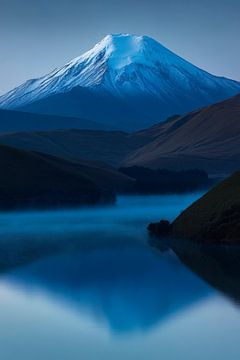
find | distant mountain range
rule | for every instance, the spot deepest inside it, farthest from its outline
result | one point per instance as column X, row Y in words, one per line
column 206, row 139
column 125, row 82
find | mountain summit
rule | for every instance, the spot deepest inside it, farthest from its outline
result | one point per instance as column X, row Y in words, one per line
column 125, row 81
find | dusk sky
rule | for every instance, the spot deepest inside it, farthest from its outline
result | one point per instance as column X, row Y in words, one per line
column 38, row 36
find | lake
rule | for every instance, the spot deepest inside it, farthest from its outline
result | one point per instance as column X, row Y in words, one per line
column 86, row 284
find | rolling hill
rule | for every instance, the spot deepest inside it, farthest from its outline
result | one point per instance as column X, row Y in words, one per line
column 207, row 139
column 109, row 147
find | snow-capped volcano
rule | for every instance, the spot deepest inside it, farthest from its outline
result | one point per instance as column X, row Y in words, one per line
column 127, row 81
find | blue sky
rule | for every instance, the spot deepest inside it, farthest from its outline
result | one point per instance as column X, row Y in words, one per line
column 38, row 36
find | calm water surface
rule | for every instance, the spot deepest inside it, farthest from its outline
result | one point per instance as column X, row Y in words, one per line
column 85, row 284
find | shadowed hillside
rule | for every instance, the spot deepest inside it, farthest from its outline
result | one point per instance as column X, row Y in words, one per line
column 110, row 147
column 30, row 180
column 214, row 218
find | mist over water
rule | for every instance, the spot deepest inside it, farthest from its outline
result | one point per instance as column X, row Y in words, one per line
column 85, row 283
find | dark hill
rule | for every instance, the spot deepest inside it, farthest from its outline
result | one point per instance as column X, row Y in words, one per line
column 32, row 180
column 214, row 218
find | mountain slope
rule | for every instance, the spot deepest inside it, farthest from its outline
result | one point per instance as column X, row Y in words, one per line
column 208, row 139
column 127, row 81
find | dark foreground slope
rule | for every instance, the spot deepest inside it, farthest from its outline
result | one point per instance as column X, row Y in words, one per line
column 214, row 218
column 207, row 139
column 32, row 180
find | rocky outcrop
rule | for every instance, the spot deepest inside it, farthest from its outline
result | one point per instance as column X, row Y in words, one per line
column 162, row 228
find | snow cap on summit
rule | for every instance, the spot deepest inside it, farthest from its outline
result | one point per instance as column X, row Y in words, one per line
column 123, row 66
column 124, row 49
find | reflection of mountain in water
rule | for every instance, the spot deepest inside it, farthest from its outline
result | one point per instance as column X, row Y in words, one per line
column 96, row 261
column 129, row 288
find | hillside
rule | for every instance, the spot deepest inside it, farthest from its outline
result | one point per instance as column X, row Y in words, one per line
column 33, row 180
column 109, row 147
column 214, row 218
column 207, row 139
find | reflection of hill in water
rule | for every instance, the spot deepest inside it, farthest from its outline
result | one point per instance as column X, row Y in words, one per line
column 128, row 287
column 219, row 265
